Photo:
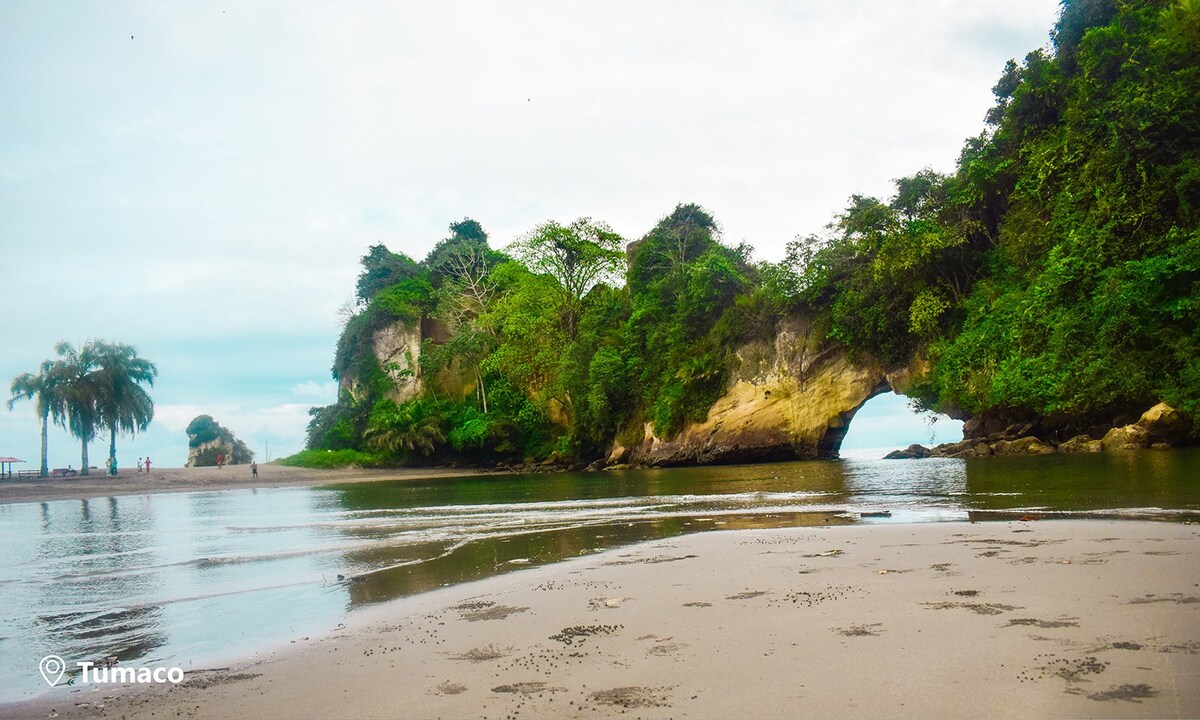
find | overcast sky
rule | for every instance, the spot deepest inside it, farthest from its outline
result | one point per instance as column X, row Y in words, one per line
column 200, row 179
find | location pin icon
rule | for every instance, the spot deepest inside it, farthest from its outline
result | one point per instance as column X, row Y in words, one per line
column 52, row 667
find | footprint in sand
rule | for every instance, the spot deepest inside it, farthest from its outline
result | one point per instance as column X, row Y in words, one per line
column 1128, row 693
column 632, row 697
column 746, row 595
column 860, row 630
column 449, row 688
column 494, row 612
column 483, row 654
column 1034, row 622
column 526, row 688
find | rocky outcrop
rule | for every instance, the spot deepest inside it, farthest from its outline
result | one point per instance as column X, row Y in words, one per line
column 1022, row 446
column 912, row 452
column 1128, row 437
column 397, row 350
column 397, row 347
column 1160, row 427
column 208, row 441
column 791, row 397
column 1080, row 444
column 964, row 449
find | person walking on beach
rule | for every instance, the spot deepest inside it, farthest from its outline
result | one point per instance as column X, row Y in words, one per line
column 220, row 459
column 139, row 466
column 147, row 464
column 253, row 469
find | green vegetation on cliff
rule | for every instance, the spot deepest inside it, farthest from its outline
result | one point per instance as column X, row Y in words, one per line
column 1055, row 274
column 209, row 441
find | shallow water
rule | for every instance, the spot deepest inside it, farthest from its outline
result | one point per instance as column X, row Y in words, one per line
column 190, row 579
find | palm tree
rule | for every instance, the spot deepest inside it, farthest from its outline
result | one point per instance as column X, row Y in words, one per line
column 78, row 392
column 122, row 404
column 404, row 428
column 43, row 388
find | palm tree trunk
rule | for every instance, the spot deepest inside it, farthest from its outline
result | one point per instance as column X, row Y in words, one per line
column 83, row 469
column 112, row 444
column 44, row 471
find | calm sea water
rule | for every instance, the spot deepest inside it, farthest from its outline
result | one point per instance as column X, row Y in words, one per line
column 191, row 579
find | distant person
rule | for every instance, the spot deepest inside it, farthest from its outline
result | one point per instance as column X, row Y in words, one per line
column 220, row 459
column 253, row 469
column 139, row 466
column 147, row 465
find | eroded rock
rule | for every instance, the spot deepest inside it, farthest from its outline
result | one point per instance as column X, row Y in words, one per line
column 1080, row 444
column 908, row 453
column 1022, row 446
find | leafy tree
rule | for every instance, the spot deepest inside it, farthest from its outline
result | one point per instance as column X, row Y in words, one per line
column 577, row 256
column 682, row 282
column 465, row 251
column 382, row 268
column 531, row 335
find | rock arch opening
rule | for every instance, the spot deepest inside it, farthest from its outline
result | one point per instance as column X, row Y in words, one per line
column 885, row 421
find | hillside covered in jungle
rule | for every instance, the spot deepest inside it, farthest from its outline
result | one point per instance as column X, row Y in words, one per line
column 1051, row 280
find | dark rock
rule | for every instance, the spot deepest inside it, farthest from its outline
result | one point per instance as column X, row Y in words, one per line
column 1165, row 424
column 1128, row 437
column 1080, row 444
column 999, row 423
column 1022, row 446
column 909, row 453
column 966, row 448
column 1018, row 430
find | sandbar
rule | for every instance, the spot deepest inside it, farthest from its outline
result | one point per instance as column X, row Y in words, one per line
column 161, row 480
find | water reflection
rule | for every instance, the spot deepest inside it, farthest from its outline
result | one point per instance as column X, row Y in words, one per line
column 66, row 585
column 1151, row 484
column 191, row 578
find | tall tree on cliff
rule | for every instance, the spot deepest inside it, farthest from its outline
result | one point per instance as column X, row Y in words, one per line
column 43, row 388
column 459, row 267
column 578, row 256
column 382, row 269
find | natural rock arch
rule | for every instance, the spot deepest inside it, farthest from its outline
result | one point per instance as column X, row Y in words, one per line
column 792, row 397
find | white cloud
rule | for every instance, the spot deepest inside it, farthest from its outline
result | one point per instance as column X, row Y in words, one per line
column 326, row 392
column 214, row 182
column 283, row 420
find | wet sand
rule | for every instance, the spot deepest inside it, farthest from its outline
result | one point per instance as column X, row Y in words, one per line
column 159, row 480
column 1077, row 618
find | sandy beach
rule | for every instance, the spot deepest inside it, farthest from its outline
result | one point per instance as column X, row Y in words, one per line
column 159, row 480
column 1079, row 618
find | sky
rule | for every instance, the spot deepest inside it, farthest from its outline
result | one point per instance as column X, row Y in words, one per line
column 200, row 179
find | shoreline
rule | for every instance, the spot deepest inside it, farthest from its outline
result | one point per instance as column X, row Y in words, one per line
column 1010, row 619
column 230, row 477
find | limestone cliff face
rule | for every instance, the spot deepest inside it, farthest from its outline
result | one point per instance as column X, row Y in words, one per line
column 397, row 347
column 792, row 397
